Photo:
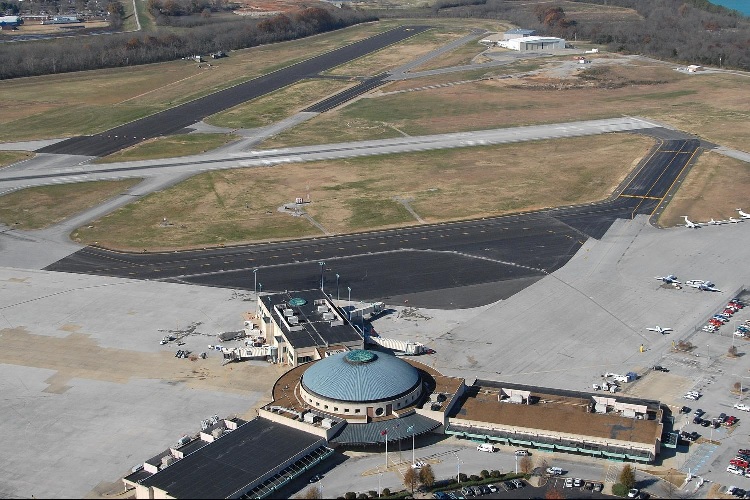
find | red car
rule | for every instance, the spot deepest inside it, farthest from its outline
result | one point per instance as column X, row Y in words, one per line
column 738, row 462
column 730, row 421
column 738, row 305
column 715, row 322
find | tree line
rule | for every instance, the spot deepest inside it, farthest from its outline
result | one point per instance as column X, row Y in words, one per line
column 685, row 31
column 127, row 49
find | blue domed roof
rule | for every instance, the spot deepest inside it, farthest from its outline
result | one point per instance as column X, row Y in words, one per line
column 360, row 376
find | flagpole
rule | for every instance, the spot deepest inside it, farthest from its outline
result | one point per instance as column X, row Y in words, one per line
column 386, row 450
column 412, row 447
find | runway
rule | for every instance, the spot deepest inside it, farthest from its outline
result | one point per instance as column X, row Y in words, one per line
column 175, row 119
column 457, row 265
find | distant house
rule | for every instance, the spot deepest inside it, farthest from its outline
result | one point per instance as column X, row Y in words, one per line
column 518, row 33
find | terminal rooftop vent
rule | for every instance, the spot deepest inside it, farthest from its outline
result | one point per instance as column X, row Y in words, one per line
column 297, row 302
column 360, row 357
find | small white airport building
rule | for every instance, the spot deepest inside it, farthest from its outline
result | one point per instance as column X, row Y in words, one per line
column 532, row 43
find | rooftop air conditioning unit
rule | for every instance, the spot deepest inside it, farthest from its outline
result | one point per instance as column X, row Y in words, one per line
column 328, row 316
column 293, row 320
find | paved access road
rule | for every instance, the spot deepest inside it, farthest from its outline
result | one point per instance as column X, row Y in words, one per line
column 174, row 119
column 428, row 265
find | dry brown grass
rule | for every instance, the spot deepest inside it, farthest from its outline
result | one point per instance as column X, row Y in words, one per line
column 712, row 106
column 713, row 189
column 91, row 101
column 356, row 194
column 40, row 207
column 10, row 157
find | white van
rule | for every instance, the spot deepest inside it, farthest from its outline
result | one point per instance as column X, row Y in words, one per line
column 486, row 447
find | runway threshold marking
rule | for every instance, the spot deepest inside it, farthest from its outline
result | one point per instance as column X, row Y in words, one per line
column 676, row 178
column 640, row 197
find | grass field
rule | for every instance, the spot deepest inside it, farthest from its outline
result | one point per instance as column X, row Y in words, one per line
column 715, row 187
column 352, row 195
column 170, row 147
column 10, row 157
column 40, row 207
column 92, row 101
column 712, row 106
column 275, row 107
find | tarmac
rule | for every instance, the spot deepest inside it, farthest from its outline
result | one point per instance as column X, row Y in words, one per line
column 90, row 392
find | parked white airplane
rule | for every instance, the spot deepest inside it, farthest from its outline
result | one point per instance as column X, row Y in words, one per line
column 688, row 223
column 659, row 329
column 671, row 278
column 706, row 286
column 713, row 222
column 733, row 220
column 743, row 214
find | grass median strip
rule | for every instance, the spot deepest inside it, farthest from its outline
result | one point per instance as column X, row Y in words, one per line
column 170, row 147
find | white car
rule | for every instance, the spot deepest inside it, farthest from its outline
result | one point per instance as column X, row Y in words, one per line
column 735, row 470
column 554, row 471
column 633, row 493
column 418, row 465
column 742, row 406
column 521, row 453
column 569, row 482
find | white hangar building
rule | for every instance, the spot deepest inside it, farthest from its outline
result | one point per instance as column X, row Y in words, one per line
column 533, row 43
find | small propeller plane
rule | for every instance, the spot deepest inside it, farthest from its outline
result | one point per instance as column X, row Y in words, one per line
column 743, row 214
column 713, row 222
column 734, row 221
column 670, row 278
column 689, row 223
column 659, row 329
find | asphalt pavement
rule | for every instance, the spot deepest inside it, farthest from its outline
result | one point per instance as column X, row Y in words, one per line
column 175, row 119
column 412, row 263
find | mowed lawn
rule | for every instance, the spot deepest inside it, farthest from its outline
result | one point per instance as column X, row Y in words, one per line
column 352, row 195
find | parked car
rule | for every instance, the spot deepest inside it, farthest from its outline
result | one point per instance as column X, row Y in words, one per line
column 522, row 453
column 697, row 420
column 660, row 368
column 519, row 483
column 633, row 493
column 598, row 487
column 588, row 485
column 699, row 412
column 741, row 406
column 730, row 421
column 685, row 410
column 577, row 482
column 492, row 488
column 569, row 482
column 509, row 486
column 706, row 423
column 735, row 470
column 554, row 471
column 316, row 478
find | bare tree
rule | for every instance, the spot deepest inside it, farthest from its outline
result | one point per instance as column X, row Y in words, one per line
column 410, row 478
column 427, row 476
column 526, row 465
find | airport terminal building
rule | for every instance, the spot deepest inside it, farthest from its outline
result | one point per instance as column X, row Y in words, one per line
column 341, row 395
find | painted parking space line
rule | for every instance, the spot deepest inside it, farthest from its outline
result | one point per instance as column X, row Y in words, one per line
column 699, row 458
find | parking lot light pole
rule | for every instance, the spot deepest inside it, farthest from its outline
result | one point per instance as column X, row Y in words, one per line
column 337, row 286
column 349, row 308
column 322, row 270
